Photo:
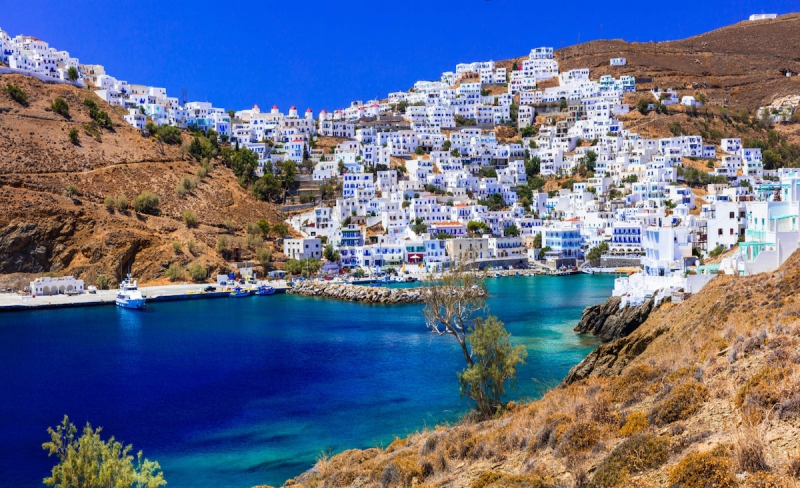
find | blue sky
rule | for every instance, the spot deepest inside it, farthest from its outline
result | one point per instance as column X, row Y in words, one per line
column 324, row 54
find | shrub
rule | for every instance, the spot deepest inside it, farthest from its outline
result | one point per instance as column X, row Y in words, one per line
column 553, row 429
column 634, row 423
column 185, row 185
column 197, row 272
column 634, row 455
column 580, row 436
column 202, row 172
column 91, row 129
column 60, row 107
column 190, row 218
column 73, row 136
column 109, row 202
column 222, row 244
column 681, row 402
column 175, row 272
column 496, row 479
column 102, row 282
column 264, row 257
column 17, row 94
column 99, row 117
column 705, row 469
column 169, row 134
column 634, row 384
column 190, row 246
column 765, row 480
column 147, row 202
column 72, row 191
column 122, row 202
column 761, row 392
column 176, row 246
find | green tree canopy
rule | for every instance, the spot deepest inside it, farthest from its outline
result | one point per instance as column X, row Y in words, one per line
column 90, row 462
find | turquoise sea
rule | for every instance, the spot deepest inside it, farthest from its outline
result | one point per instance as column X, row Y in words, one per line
column 240, row 392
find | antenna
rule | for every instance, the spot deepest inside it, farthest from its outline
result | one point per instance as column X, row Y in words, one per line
column 184, row 95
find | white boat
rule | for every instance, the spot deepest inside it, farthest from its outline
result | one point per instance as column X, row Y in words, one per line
column 129, row 295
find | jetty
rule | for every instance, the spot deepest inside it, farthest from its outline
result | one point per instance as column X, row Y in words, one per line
column 357, row 293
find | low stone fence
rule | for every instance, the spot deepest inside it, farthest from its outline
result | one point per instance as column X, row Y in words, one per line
column 357, row 293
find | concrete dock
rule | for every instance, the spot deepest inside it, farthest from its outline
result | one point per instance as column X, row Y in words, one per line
column 163, row 293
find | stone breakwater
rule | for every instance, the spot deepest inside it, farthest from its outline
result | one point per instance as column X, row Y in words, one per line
column 358, row 293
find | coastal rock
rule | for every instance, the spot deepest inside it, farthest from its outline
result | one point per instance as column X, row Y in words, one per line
column 356, row 293
column 608, row 322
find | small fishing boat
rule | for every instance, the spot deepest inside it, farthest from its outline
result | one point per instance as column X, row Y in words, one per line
column 239, row 292
column 265, row 290
column 129, row 295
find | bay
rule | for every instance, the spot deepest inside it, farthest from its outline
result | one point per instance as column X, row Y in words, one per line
column 241, row 392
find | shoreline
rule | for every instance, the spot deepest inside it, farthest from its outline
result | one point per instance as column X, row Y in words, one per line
column 10, row 302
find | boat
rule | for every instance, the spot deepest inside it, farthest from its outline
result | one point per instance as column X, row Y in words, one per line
column 129, row 295
column 239, row 292
column 265, row 290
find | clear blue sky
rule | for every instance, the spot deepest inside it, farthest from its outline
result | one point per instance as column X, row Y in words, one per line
column 323, row 53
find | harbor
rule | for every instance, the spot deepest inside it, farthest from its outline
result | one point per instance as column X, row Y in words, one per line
column 159, row 293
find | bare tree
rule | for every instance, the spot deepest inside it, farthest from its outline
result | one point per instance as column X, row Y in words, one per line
column 453, row 302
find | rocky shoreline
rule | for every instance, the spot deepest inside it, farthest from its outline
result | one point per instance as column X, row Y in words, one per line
column 608, row 322
column 357, row 293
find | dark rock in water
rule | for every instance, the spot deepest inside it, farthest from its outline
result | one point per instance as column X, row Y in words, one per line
column 608, row 322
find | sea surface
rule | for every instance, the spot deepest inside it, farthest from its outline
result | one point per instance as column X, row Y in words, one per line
column 245, row 391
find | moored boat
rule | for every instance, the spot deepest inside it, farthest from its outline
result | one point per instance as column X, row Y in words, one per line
column 265, row 290
column 129, row 295
column 240, row 292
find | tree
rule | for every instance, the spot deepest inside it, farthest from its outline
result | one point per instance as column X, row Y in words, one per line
column 533, row 166
column 72, row 73
column 341, row 167
column 147, row 202
column 331, row 253
column 591, row 160
column 562, row 105
column 73, row 136
column 477, row 227
column 264, row 227
column 419, row 226
column 197, row 272
column 264, row 257
column 643, row 106
column 419, row 151
column 511, row 231
column 244, row 163
column 597, row 251
column 60, row 107
column 446, row 145
column 495, row 362
column 169, row 134
column 301, row 266
column 280, row 229
column 537, row 241
column 453, row 305
column 89, row 462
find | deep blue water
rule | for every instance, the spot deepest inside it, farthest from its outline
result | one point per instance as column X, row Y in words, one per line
column 239, row 392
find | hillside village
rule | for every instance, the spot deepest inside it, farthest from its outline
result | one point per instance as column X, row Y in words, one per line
column 495, row 166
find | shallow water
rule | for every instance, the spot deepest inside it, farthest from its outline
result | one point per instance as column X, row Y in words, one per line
column 239, row 392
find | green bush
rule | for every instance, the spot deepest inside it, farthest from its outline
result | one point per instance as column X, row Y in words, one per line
column 184, row 186
column 634, row 455
column 16, row 93
column 705, row 469
column 681, row 402
column 147, row 203
column 100, row 117
column 190, row 218
column 73, row 136
column 175, row 272
column 109, row 202
column 169, row 134
column 122, row 202
column 72, row 191
column 176, row 246
column 60, row 107
column 102, row 282
column 197, row 272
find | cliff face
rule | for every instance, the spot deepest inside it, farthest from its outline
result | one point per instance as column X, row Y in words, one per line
column 608, row 322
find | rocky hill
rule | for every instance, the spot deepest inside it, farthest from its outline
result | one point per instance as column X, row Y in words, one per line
column 703, row 393
column 53, row 216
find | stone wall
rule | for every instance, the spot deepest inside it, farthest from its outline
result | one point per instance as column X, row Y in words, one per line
column 357, row 293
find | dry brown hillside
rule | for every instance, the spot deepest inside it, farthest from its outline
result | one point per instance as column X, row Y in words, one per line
column 703, row 394
column 742, row 65
column 44, row 230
